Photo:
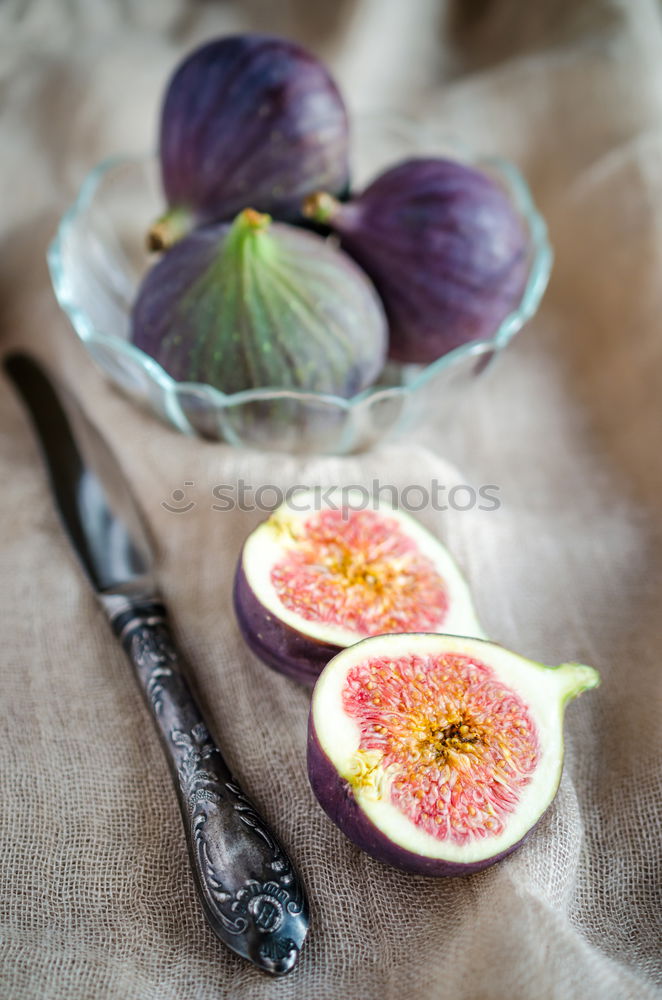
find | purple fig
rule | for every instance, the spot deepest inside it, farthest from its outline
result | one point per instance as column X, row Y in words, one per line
column 318, row 576
column 438, row 754
column 445, row 247
column 248, row 120
column 257, row 304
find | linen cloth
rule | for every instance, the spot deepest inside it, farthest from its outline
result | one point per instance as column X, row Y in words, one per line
column 96, row 898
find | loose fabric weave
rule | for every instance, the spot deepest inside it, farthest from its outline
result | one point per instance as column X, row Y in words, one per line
column 96, row 898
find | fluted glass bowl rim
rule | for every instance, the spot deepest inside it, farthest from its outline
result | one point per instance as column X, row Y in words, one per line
column 541, row 258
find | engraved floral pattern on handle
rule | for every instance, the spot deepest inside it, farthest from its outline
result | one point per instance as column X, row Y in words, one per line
column 265, row 903
column 250, row 892
column 152, row 651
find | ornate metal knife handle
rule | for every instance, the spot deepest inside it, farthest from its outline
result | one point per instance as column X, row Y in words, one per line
column 250, row 893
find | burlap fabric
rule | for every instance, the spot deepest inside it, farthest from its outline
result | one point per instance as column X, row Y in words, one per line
column 96, row 897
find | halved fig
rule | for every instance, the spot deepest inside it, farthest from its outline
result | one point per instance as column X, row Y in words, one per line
column 438, row 754
column 317, row 577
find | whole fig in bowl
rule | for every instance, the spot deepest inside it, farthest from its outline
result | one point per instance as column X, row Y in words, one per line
column 445, row 246
column 248, row 120
column 259, row 304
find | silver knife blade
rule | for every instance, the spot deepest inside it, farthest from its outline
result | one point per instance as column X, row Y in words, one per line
column 99, row 513
column 249, row 890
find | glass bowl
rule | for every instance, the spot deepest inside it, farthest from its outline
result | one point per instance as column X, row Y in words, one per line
column 99, row 255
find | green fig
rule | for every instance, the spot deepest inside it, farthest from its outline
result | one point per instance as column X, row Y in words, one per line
column 260, row 304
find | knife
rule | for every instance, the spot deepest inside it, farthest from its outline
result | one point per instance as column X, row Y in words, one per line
column 250, row 892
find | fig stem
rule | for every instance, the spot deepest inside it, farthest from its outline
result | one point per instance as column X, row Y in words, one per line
column 251, row 219
column 320, row 206
column 169, row 228
column 249, row 235
column 575, row 678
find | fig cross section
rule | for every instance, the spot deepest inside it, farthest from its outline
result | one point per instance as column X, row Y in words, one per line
column 438, row 754
column 317, row 577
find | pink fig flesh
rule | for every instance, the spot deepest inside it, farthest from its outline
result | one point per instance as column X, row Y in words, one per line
column 438, row 754
column 312, row 581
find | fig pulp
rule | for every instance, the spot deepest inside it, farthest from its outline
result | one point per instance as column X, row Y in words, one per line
column 260, row 304
column 438, row 754
column 445, row 247
column 248, row 120
column 318, row 576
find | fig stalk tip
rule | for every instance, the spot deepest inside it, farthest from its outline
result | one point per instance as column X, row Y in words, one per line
column 320, row 206
column 168, row 229
column 252, row 219
column 576, row 678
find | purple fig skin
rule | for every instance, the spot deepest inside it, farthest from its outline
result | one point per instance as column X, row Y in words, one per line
column 256, row 304
column 280, row 646
column 445, row 248
column 251, row 120
column 334, row 794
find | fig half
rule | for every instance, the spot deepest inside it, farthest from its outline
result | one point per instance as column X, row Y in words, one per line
column 323, row 572
column 438, row 754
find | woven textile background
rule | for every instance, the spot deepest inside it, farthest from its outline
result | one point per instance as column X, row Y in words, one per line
column 96, row 898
